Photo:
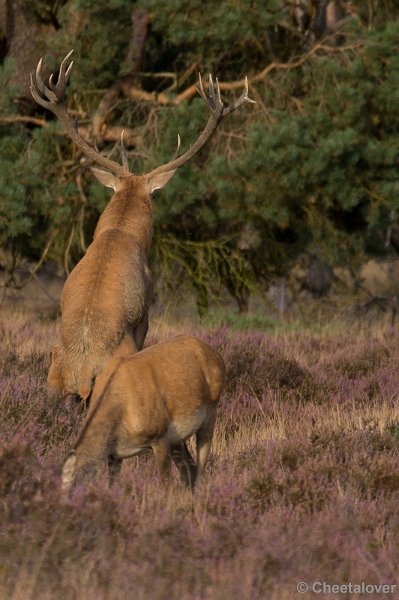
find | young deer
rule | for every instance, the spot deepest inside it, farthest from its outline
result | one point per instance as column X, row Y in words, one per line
column 155, row 399
column 106, row 298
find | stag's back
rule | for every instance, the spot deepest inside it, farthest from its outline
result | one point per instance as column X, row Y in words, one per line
column 105, row 296
column 107, row 289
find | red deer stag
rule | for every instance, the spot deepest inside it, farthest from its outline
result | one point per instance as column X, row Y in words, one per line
column 154, row 399
column 106, row 298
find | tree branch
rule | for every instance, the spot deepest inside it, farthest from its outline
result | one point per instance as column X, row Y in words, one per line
column 113, row 133
column 110, row 134
column 22, row 119
column 163, row 99
column 273, row 66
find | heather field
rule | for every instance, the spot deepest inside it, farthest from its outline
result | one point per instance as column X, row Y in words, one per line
column 302, row 485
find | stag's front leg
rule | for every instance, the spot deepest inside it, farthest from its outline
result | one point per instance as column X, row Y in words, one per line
column 72, row 401
column 126, row 347
column 75, row 407
column 140, row 331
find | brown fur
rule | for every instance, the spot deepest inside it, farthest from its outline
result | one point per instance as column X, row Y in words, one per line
column 155, row 399
column 105, row 300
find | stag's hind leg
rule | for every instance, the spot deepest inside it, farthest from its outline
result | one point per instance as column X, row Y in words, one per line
column 114, row 468
column 185, row 463
column 55, row 377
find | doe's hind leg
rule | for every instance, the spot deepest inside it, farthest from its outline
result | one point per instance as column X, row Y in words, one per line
column 185, row 463
column 161, row 449
column 204, row 437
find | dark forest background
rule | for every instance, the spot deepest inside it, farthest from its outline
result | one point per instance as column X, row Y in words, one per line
column 309, row 174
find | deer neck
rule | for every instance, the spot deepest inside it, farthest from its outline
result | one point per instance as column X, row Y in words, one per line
column 128, row 214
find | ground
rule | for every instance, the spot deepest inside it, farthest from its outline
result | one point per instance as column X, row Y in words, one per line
column 302, row 484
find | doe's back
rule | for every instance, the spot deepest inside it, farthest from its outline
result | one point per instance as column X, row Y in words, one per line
column 183, row 372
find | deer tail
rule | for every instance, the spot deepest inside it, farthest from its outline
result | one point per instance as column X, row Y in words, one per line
column 85, row 380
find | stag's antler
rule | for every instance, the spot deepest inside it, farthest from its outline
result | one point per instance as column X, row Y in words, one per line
column 218, row 111
column 53, row 98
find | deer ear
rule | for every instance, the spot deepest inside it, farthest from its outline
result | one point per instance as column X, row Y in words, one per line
column 107, row 179
column 159, row 181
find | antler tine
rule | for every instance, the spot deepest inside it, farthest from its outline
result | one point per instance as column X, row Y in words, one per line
column 218, row 92
column 200, row 89
column 243, row 98
column 68, row 71
column 48, row 92
column 53, row 98
column 213, row 99
column 178, row 146
column 63, row 75
column 246, row 92
column 34, row 88
column 217, row 109
column 211, row 94
column 51, row 82
column 125, row 162
column 39, row 80
column 52, row 93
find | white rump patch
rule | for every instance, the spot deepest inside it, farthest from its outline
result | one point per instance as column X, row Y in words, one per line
column 183, row 427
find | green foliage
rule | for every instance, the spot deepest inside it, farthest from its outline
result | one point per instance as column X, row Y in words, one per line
column 312, row 168
column 334, row 163
column 101, row 44
column 8, row 91
column 215, row 33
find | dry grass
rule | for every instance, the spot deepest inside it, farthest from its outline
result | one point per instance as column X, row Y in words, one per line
column 302, row 484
